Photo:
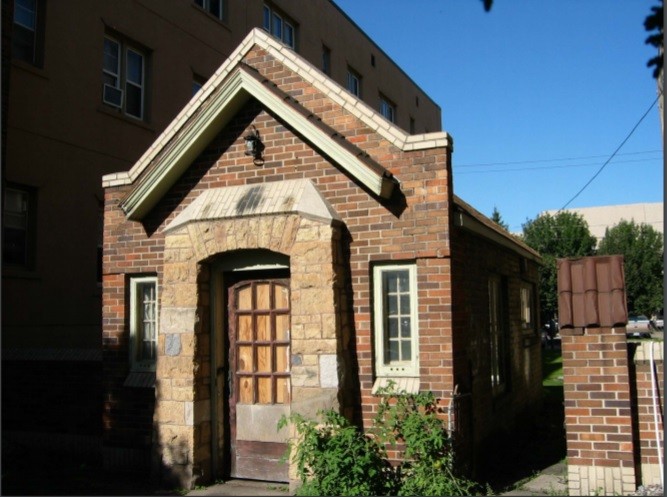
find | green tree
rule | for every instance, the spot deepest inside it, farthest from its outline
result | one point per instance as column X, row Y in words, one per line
column 563, row 235
column 498, row 219
column 642, row 249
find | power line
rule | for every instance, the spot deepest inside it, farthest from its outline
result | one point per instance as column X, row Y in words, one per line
column 613, row 154
column 560, row 166
column 535, row 161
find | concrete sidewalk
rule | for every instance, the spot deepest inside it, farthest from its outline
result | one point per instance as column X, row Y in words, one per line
column 550, row 481
column 243, row 488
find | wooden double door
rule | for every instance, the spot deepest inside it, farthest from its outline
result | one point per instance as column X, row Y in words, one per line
column 259, row 377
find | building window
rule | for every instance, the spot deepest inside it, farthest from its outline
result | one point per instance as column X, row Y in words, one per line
column 528, row 323
column 387, row 109
column 197, row 83
column 18, row 227
column 214, row 7
column 143, row 323
column 497, row 335
column 412, row 125
column 279, row 26
column 353, row 82
column 124, row 77
column 326, row 60
column 396, row 330
column 28, row 29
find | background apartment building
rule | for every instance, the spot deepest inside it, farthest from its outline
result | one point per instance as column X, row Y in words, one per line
column 87, row 87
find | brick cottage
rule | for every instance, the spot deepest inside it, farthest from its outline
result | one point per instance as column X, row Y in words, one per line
column 336, row 257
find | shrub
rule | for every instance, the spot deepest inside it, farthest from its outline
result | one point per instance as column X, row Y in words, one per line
column 335, row 458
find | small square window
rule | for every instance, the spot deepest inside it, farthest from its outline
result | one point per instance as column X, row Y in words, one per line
column 279, row 26
column 214, row 7
column 387, row 109
column 396, row 322
column 354, row 82
column 326, row 60
column 143, row 323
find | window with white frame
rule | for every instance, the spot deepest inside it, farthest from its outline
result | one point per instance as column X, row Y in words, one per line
column 528, row 323
column 214, row 7
column 396, row 324
column 353, row 82
column 124, row 77
column 387, row 109
column 497, row 335
column 143, row 322
column 27, row 31
column 279, row 26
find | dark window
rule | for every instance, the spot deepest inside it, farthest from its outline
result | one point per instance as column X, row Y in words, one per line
column 18, row 226
column 27, row 31
column 354, row 82
column 214, row 7
column 326, row 60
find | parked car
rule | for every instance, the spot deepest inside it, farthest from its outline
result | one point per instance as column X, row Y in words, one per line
column 638, row 326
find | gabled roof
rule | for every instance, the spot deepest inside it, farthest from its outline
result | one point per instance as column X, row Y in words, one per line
column 221, row 98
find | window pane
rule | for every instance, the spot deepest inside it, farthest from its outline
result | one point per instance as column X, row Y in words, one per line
column 392, row 351
column 216, row 8
column 264, row 359
column 244, row 298
column 288, row 37
column 267, row 19
column 403, row 281
column 262, row 296
column 277, row 26
column 24, row 13
column 406, row 350
column 135, row 68
column 405, row 304
column 405, row 327
column 134, row 100
column 23, row 44
column 111, row 54
column 392, row 305
column 282, row 359
column 392, row 327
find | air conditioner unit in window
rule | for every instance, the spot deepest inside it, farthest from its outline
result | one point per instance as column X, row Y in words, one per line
column 113, row 96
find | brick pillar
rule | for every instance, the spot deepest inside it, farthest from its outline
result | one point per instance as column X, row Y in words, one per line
column 596, row 378
column 598, row 412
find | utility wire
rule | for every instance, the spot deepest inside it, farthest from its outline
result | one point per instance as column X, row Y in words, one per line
column 563, row 159
column 612, row 155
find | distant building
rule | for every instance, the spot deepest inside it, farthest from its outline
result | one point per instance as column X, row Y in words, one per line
column 607, row 216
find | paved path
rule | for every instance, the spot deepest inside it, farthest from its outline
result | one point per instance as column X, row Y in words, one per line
column 551, row 481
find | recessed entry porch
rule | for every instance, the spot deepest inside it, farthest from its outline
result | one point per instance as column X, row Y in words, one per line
column 251, row 328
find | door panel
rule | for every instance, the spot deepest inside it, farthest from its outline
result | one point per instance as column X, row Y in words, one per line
column 259, row 317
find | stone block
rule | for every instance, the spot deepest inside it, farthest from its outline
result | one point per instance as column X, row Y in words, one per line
column 328, row 371
column 177, row 319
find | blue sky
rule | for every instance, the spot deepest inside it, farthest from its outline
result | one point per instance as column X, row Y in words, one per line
column 537, row 95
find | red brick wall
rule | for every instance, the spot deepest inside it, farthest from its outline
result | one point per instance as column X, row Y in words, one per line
column 474, row 260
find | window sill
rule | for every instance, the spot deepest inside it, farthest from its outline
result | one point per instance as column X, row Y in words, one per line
column 118, row 114
column 140, row 379
column 405, row 384
column 27, row 67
